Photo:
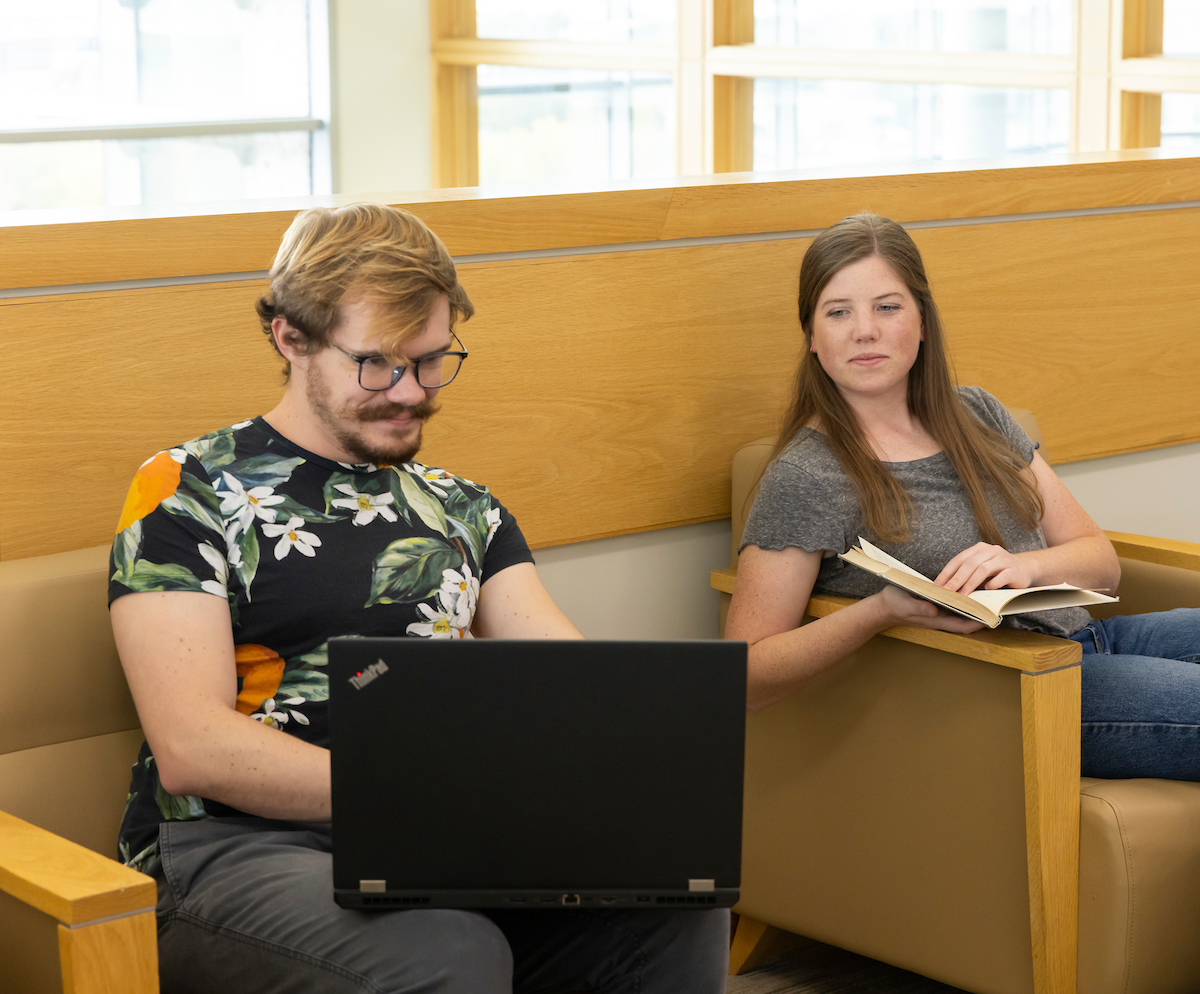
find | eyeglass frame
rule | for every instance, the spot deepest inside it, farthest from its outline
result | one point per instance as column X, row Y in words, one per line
column 398, row 371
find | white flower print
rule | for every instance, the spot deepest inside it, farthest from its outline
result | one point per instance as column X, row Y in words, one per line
column 219, row 586
column 368, row 506
column 493, row 522
column 291, row 537
column 270, row 715
column 436, row 480
column 243, row 506
column 438, row 625
column 458, row 595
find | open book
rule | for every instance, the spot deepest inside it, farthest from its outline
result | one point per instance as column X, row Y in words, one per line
column 987, row 606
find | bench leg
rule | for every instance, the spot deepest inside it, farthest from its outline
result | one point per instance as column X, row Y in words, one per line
column 120, row 954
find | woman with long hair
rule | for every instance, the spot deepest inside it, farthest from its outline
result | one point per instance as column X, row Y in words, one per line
column 878, row 442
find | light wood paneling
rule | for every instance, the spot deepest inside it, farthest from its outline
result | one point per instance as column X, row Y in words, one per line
column 1164, row 551
column 65, row 880
column 114, row 957
column 1050, row 715
column 93, row 246
column 733, row 124
column 619, row 384
column 147, row 369
column 1089, row 321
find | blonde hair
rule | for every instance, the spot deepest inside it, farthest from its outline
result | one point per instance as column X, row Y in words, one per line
column 369, row 253
column 982, row 457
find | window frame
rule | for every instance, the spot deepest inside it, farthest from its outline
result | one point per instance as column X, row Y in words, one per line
column 1116, row 75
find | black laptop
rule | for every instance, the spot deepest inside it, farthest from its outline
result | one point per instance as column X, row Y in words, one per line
column 491, row 773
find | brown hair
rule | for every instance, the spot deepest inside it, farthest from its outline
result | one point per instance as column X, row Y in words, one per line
column 363, row 252
column 983, row 458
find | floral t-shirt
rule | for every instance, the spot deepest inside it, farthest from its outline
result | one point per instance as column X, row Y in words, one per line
column 304, row 549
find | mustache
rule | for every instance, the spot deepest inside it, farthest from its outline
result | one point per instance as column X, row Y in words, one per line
column 424, row 410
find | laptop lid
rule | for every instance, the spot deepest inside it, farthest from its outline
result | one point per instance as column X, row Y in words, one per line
column 507, row 773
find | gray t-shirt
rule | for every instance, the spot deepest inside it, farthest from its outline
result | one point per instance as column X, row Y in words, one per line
column 805, row 501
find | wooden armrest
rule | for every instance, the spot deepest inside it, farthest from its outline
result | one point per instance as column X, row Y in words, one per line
column 1163, row 551
column 65, row 880
column 1027, row 651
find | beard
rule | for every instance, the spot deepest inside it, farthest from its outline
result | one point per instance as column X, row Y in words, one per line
column 344, row 424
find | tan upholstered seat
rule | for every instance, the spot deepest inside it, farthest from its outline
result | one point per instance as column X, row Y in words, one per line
column 68, row 737
column 895, row 810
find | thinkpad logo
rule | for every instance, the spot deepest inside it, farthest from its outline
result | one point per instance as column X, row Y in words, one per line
column 363, row 677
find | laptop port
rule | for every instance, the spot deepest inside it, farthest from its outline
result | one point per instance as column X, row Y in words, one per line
column 608, row 900
column 570, row 899
column 516, row 900
column 643, row 898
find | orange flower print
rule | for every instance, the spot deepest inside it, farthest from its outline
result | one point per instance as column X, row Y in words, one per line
column 260, row 669
column 155, row 481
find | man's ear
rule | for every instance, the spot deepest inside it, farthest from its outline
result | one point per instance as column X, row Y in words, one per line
column 287, row 339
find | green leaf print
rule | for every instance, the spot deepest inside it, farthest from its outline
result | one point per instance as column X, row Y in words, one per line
column 185, row 504
column 247, row 543
column 125, row 550
column 212, row 451
column 312, row 685
column 289, row 507
column 428, row 508
column 467, row 518
column 411, row 570
column 177, row 808
column 144, row 575
column 265, row 470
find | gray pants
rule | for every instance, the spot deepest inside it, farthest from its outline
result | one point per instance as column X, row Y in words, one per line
column 247, row 906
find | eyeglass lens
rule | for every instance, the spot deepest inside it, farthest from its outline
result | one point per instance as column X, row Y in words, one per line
column 379, row 373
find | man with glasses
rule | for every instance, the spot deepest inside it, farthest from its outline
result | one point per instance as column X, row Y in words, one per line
column 239, row 554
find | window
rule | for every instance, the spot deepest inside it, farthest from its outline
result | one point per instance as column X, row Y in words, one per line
column 114, row 102
column 619, row 89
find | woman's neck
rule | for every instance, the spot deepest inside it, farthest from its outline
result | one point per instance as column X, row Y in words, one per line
column 892, row 431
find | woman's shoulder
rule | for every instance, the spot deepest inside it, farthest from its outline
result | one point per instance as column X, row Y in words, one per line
column 980, row 403
column 992, row 413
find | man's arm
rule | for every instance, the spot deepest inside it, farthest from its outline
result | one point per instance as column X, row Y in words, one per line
column 177, row 651
column 513, row 604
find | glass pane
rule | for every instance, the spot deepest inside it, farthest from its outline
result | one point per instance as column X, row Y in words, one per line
column 574, row 125
column 569, row 20
column 154, row 171
column 1181, row 27
column 801, row 123
column 1181, row 120
column 73, row 63
column 1038, row 27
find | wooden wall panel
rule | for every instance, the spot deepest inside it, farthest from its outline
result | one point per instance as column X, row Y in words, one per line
column 606, row 393
column 93, row 384
column 1093, row 323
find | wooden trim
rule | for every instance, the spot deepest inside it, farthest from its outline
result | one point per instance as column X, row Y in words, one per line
column 65, row 880
column 751, row 943
column 1163, row 551
column 451, row 19
column 554, row 54
column 733, row 22
column 1029, row 652
column 1158, row 74
column 1141, row 120
column 733, row 124
column 1050, row 716
column 1142, row 32
column 457, row 126
column 82, row 247
column 110, row 956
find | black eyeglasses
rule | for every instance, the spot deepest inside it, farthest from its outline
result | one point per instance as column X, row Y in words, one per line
column 377, row 372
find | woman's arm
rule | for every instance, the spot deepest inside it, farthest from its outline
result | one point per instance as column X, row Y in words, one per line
column 1078, row 551
column 773, row 588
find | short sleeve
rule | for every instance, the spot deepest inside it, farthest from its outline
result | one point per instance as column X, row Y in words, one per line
column 506, row 546
column 793, row 509
column 992, row 413
column 170, row 535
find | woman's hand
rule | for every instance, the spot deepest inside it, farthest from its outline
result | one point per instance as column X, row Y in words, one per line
column 901, row 609
column 986, row 566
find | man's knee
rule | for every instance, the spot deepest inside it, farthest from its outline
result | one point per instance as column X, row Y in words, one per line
column 444, row 951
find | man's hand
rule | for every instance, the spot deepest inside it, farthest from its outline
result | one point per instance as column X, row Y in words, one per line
column 986, row 566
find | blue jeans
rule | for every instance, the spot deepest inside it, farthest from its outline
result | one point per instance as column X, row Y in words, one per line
column 245, row 906
column 1141, row 696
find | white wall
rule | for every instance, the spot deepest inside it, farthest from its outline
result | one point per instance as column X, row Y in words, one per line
column 380, row 69
column 654, row 585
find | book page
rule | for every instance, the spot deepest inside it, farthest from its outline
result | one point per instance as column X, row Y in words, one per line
column 1008, row 600
column 882, row 557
